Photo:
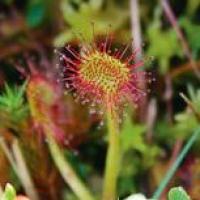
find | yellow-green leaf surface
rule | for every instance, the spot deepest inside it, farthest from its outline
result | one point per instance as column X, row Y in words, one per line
column 9, row 193
column 178, row 193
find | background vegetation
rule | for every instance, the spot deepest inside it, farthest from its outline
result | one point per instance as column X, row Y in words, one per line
column 152, row 136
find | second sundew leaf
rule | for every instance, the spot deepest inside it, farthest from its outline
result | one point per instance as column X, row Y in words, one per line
column 178, row 193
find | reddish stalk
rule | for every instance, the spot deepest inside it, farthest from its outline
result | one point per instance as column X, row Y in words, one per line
column 182, row 69
column 172, row 19
column 168, row 98
column 137, row 44
column 151, row 119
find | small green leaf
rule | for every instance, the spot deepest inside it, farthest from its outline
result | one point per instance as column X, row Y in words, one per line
column 9, row 193
column 13, row 108
column 192, row 6
column 193, row 34
column 178, row 193
column 79, row 20
column 163, row 44
column 132, row 136
column 186, row 120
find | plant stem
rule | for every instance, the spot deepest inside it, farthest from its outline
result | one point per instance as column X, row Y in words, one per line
column 137, row 45
column 18, row 163
column 67, row 171
column 176, row 164
column 113, row 157
column 23, row 172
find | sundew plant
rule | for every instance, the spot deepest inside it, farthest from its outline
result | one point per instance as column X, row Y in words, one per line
column 107, row 80
column 99, row 100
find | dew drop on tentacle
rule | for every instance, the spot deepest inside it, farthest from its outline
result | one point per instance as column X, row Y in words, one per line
column 119, row 120
column 66, row 142
column 75, row 152
column 100, row 125
column 73, row 53
column 58, row 80
column 100, row 112
column 92, row 111
column 58, row 66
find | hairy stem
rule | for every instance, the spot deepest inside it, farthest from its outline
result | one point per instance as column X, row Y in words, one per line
column 66, row 170
column 113, row 158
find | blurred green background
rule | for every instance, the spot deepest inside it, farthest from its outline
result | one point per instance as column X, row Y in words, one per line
column 166, row 30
